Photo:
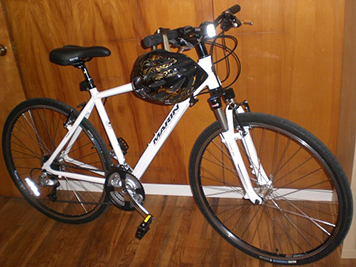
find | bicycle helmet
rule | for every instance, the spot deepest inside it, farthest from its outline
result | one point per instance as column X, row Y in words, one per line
column 166, row 78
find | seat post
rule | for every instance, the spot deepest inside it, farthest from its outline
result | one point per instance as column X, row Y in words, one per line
column 88, row 83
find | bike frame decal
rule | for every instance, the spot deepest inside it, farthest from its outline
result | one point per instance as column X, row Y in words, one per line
column 166, row 124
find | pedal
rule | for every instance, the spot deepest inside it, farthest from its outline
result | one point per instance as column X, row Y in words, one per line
column 126, row 192
column 123, row 145
column 144, row 227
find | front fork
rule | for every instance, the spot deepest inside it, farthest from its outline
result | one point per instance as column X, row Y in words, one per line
column 229, row 137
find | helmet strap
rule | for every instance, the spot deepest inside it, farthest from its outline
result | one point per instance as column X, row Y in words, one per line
column 163, row 32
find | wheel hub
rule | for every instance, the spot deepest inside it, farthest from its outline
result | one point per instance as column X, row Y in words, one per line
column 266, row 192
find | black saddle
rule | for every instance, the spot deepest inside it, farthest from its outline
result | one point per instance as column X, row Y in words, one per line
column 77, row 55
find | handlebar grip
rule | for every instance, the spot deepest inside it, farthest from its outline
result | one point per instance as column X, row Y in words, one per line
column 157, row 38
column 234, row 9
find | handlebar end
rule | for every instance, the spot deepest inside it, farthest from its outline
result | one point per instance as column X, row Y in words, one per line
column 234, row 9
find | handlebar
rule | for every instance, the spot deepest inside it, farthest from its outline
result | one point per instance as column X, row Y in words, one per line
column 234, row 9
column 157, row 38
column 227, row 20
column 230, row 11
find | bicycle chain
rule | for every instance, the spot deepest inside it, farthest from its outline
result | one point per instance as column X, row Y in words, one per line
column 76, row 202
column 81, row 168
column 79, row 203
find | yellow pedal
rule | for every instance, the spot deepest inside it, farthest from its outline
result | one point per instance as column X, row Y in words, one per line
column 144, row 227
column 147, row 218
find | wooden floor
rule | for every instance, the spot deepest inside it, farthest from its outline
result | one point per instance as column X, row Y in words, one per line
column 179, row 236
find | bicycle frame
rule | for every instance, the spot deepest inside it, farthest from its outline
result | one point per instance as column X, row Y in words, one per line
column 159, row 137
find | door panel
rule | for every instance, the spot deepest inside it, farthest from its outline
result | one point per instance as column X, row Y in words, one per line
column 11, row 93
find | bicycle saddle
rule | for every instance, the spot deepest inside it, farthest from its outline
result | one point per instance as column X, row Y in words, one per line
column 76, row 55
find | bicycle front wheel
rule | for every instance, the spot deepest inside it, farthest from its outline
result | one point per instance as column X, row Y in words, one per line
column 31, row 133
column 306, row 211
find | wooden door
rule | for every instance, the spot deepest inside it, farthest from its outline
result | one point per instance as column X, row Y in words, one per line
column 40, row 26
column 291, row 63
column 11, row 93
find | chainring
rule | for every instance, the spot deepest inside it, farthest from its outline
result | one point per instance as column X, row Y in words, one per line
column 118, row 180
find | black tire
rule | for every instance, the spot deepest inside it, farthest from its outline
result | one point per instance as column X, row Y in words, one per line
column 292, row 228
column 31, row 133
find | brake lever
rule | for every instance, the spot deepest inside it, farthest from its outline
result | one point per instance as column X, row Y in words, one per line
column 238, row 23
column 247, row 22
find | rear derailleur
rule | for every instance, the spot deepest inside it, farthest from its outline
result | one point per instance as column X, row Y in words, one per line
column 51, row 182
column 126, row 192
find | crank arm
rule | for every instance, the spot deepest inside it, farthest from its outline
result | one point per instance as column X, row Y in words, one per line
column 144, row 226
column 127, row 189
column 140, row 209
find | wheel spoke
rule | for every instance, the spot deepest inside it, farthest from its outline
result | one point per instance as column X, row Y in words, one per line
column 300, row 209
column 35, row 131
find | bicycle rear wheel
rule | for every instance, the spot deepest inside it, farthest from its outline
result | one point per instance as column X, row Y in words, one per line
column 306, row 212
column 31, row 133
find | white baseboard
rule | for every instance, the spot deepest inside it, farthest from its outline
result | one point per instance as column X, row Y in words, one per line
column 215, row 191
column 167, row 189
column 348, row 254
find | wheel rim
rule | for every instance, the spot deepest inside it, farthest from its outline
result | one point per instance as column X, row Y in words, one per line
column 298, row 216
column 35, row 134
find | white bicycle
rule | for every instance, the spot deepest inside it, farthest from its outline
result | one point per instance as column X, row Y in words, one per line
column 265, row 184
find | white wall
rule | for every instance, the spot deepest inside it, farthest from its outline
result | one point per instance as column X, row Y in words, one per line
column 349, row 246
column 347, row 129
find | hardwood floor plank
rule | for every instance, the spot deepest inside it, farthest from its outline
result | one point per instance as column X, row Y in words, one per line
column 3, row 201
column 179, row 236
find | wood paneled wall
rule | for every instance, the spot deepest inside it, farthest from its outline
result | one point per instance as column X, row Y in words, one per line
column 11, row 93
column 291, row 63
